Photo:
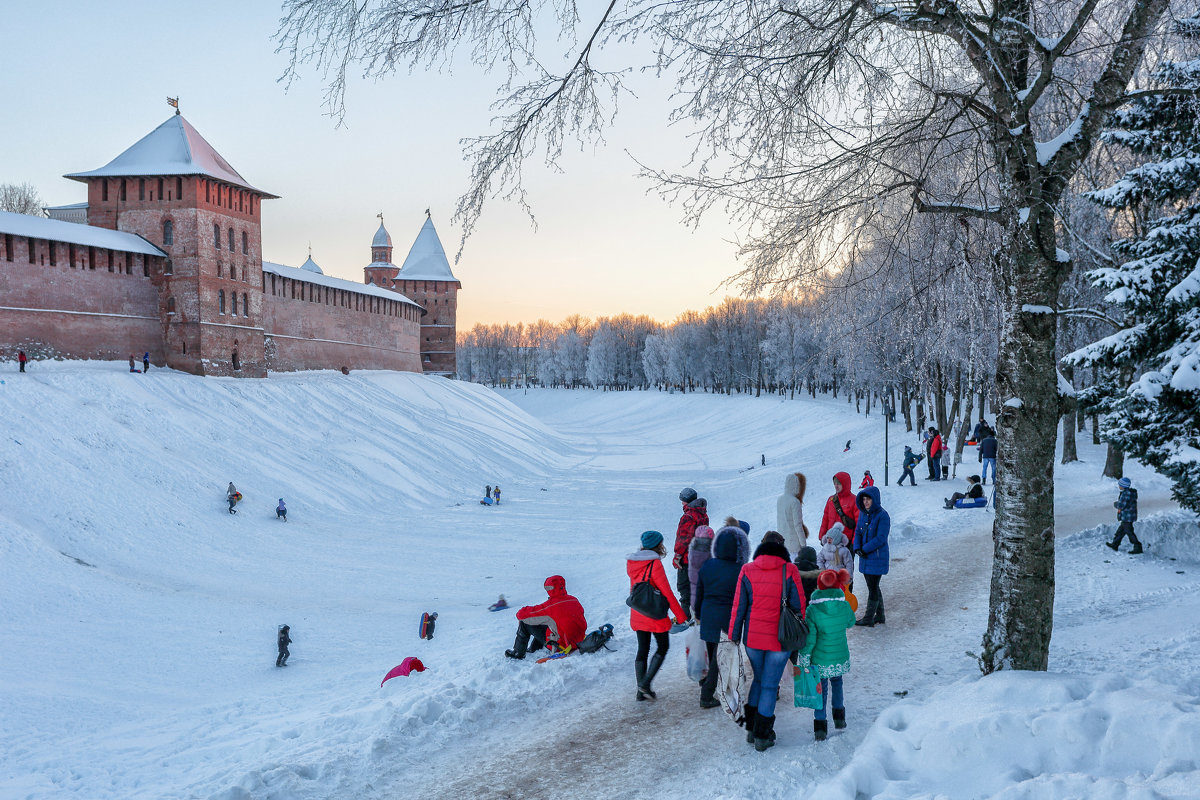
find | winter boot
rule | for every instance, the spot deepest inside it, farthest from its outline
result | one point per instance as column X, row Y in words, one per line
column 1112, row 546
column 520, row 645
column 868, row 617
column 655, row 662
column 514, row 654
column 879, row 613
column 839, row 718
column 751, row 715
column 764, row 733
column 709, row 702
column 820, row 729
column 1137, row 549
column 639, row 674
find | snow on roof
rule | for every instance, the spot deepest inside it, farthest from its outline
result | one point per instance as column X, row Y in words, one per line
column 311, row 266
column 320, row 279
column 67, row 207
column 173, row 148
column 382, row 237
column 75, row 233
column 426, row 260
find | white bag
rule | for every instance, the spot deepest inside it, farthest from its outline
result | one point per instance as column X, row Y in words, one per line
column 733, row 684
column 697, row 654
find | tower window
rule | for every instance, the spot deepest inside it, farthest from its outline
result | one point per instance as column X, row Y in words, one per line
column 216, row 236
column 168, row 233
column 179, row 196
column 233, row 302
column 170, row 305
column 245, row 244
column 104, row 190
column 123, row 198
column 168, row 267
column 221, row 301
column 220, row 269
column 245, row 305
column 230, row 240
column 141, row 188
column 31, row 243
column 8, row 247
column 161, row 191
column 207, row 192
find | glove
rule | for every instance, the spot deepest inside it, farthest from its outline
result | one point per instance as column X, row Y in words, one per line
column 680, row 620
column 675, row 562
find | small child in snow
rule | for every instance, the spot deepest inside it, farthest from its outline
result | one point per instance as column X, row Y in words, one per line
column 806, row 563
column 867, row 480
column 499, row 604
column 281, row 511
column 699, row 552
column 835, row 550
column 233, row 496
column 829, row 616
column 496, row 495
column 284, row 640
column 430, row 623
column 1126, row 507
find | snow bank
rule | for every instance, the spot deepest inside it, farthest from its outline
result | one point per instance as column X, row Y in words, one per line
column 1032, row 736
column 1168, row 534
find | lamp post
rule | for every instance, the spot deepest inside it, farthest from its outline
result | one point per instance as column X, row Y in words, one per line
column 887, row 415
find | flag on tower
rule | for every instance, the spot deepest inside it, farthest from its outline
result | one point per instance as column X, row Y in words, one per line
column 174, row 103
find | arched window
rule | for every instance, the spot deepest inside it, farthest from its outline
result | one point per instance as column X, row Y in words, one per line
column 231, row 240
column 221, row 300
column 233, row 302
column 170, row 305
column 216, row 236
column 245, row 305
column 245, row 244
column 168, row 233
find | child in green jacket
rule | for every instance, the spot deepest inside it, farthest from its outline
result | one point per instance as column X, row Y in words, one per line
column 829, row 617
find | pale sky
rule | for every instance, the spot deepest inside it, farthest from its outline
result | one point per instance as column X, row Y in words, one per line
column 85, row 80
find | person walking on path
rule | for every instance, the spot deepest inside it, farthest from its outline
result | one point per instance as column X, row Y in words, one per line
column 715, row 587
column 496, row 495
column 698, row 553
column 1126, row 507
column 789, row 512
column 871, row 547
column 695, row 514
column 132, row 364
column 911, row 459
column 284, row 640
column 840, row 507
column 645, row 565
column 934, row 451
column 281, row 511
column 233, row 496
column 21, row 359
column 764, row 585
column 987, row 455
column 146, row 362
column 829, row 617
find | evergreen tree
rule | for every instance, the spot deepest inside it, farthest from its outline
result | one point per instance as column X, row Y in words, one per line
column 1156, row 418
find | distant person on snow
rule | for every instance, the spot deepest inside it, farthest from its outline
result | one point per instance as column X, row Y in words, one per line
column 911, row 459
column 974, row 492
column 867, row 480
column 987, row 455
column 847, row 446
column 233, row 496
column 933, row 449
column 281, row 511
column 695, row 513
column 146, row 362
column 488, row 491
column 496, row 495
column 826, row 649
column 284, row 640
column 789, row 512
column 558, row 621
column 21, row 359
column 840, row 506
column 1126, row 507
column 642, row 566
column 132, row 364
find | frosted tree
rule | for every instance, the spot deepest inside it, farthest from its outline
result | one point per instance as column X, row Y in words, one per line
column 1157, row 288
column 811, row 116
column 604, row 356
column 20, row 198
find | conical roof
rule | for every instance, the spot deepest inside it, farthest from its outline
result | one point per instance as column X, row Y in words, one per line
column 426, row 260
column 173, row 148
column 382, row 237
column 311, row 266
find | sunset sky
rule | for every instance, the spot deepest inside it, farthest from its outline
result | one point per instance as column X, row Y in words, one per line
column 86, row 80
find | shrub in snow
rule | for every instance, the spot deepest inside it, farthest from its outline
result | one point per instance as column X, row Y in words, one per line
column 1155, row 419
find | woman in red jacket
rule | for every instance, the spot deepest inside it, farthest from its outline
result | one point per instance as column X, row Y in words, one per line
column 646, row 565
column 763, row 586
column 843, row 496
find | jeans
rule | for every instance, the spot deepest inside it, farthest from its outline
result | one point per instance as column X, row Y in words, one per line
column 839, row 701
column 908, row 473
column 989, row 462
column 768, row 671
column 935, row 468
column 684, row 584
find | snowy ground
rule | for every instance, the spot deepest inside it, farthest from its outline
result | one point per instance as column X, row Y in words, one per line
column 137, row 643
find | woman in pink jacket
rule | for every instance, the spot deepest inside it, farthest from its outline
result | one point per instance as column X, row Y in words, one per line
column 763, row 585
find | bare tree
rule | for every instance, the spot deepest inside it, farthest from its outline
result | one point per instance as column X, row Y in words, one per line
column 20, row 198
column 823, row 127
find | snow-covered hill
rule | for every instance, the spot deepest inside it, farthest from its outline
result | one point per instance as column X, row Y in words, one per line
column 137, row 642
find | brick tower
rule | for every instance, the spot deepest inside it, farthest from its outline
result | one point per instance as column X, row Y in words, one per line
column 426, row 278
column 381, row 270
column 174, row 190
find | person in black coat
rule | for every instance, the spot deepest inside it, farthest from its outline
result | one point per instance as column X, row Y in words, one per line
column 987, row 455
column 974, row 492
column 715, row 587
column 284, row 640
column 806, row 562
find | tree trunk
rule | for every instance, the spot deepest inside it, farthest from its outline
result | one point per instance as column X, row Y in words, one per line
column 1021, row 608
column 1068, row 421
column 964, row 429
column 921, row 413
column 954, row 407
column 906, row 401
column 939, row 402
column 1114, row 462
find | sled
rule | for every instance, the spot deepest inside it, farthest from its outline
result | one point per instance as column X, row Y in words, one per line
column 498, row 607
column 978, row 502
column 426, row 629
column 557, row 655
column 487, row 501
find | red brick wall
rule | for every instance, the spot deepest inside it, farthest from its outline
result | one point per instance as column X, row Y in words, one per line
column 439, row 325
column 336, row 329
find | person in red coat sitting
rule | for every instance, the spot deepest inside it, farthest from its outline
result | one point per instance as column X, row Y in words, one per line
column 558, row 621
column 867, row 480
column 842, row 499
column 645, row 565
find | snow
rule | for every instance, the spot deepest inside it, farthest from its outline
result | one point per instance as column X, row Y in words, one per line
column 140, row 618
column 75, row 233
column 320, row 279
column 1032, row 309
column 426, row 260
column 1015, row 402
column 1060, row 255
column 1023, row 215
column 1065, row 389
column 173, row 148
column 1046, row 151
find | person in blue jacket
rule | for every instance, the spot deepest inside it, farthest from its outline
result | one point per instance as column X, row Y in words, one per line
column 871, row 547
column 715, row 586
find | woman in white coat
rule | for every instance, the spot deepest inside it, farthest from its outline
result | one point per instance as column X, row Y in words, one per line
column 789, row 513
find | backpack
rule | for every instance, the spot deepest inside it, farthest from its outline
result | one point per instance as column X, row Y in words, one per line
column 597, row 639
